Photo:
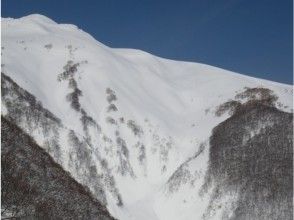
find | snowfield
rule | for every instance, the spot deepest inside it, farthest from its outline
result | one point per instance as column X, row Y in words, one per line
column 153, row 117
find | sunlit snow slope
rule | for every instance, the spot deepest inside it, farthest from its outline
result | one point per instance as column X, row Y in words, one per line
column 133, row 127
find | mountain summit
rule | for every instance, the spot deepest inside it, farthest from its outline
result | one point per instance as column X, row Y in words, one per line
column 148, row 138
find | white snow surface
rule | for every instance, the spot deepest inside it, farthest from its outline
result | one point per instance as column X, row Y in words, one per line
column 172, row 101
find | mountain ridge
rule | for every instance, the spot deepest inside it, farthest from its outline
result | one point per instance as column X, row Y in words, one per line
column 129, row 120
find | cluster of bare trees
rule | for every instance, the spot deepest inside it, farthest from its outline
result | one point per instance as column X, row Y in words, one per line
column 35, row 187
column 251, row 155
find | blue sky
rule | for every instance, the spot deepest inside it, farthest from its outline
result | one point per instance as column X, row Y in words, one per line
column 252, row 37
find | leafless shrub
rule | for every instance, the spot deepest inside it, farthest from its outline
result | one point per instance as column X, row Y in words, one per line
column 163, row 169
column 106, row 139
column 109, row 91
column 122, row 144
column 81, row 150
column 69, row 70
column 137, row 130
column 110, row 120
column 104, row 163
column 229, row 106
column 110, row 95
column 264, row 95
column 112, row 107
column 142, row 154
column 72, row 83
column 123, row 154
column 181, row 176
column 73, row 98
column 88, row 121
column 48, row 46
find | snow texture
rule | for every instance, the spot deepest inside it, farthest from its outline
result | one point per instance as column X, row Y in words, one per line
column 139, row 123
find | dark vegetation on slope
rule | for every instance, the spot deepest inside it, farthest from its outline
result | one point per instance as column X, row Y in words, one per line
column 25, row 111
column 9, row 87
column 182, row 175
column 35, row 187
column 251, row 155
column 261, row 95
column 70, row 69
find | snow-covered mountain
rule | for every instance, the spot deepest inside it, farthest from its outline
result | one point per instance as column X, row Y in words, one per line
column 146, row 134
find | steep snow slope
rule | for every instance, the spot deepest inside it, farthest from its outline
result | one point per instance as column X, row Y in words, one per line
column 139, row 118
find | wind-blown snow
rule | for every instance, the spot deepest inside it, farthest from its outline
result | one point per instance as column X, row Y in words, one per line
column 172, row 101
